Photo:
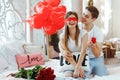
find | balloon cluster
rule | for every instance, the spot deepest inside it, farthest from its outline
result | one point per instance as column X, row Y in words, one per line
column 46, row 74
column 49, row 15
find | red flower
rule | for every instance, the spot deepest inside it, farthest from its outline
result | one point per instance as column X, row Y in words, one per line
column 46, row 74
column 93, row 39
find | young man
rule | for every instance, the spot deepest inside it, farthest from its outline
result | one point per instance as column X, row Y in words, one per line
column 94, row 47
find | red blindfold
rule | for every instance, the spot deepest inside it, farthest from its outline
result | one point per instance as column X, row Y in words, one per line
column 72, row 18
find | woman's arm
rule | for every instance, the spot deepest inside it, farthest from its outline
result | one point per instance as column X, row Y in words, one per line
column 83, row 49
column 65, row 52
column 79, row 72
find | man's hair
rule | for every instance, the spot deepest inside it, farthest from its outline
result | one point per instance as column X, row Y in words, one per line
column 93, row 10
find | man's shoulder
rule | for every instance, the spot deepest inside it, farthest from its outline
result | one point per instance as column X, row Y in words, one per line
column 97, row 28
column 98, row 31
column 80, row 25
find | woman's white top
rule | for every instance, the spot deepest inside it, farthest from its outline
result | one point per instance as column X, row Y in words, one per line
column 71, row 43
column 76, row 51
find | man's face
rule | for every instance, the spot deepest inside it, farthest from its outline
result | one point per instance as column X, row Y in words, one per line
column 87, row 17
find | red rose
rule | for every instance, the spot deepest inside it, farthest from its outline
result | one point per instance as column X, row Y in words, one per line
column 93, row 39
column 46, row 74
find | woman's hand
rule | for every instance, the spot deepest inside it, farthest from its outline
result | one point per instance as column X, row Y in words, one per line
column 78, row 72
column 68, row 56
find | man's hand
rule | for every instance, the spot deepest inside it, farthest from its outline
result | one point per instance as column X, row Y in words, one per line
column 91, row 44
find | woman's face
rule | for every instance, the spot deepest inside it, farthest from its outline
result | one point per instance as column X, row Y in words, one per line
column 71, row 21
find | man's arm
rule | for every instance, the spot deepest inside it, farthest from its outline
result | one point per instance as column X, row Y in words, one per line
column 96, row 48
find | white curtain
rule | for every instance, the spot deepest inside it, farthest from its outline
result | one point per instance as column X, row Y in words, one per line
column 67, row 3
column 11, row 25
column 74, row 5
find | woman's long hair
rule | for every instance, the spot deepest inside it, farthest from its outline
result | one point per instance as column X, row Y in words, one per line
column 67, row 30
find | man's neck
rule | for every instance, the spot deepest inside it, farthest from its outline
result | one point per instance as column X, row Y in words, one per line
column 88, row 27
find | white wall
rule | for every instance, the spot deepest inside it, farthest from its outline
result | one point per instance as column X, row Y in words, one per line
column 111, row 13
column 116, row 18
column 77, row 6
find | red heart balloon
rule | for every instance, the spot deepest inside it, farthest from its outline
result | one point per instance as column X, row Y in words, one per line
column 61, row 8
column 50, row 29
column 53, row 3
column 39, row 6
column 36, row 21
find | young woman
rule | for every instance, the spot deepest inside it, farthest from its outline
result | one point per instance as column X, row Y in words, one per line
column 72, row 39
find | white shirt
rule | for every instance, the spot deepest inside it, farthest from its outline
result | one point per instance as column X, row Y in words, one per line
column 71, row 43
column 97, row 33
column 94, row 32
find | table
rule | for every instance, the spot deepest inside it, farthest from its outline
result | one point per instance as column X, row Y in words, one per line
column 104, row 49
